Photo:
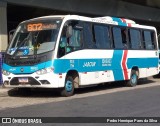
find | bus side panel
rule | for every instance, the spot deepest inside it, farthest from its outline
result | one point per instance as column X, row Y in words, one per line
column 142, row 72
column 97, row 66
column 145, row 60
column 96, row 77
column 100, row 66
column 152, row 71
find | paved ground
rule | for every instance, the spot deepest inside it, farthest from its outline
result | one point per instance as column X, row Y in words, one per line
column 109, row 100
column 10, row 98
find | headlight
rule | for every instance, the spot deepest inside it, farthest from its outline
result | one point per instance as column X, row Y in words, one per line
column 4, row 72
column 45, row 71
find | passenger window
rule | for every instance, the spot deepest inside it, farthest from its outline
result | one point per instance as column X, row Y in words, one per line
column 102, row 37
column 70, row 43
column 75, row 41
column 117, row 37
column 124, row 38
column 149, row 40
column 62, row 43
column 135, row 39
column 88, row 36
column 153, row 37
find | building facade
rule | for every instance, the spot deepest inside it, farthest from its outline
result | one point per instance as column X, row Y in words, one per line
column 12, row 12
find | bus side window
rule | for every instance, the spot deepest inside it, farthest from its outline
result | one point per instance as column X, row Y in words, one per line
column 62, row 43
column 153, row 37
column 70, row 43
column 75, row 41
column 148, row 40
column 135, row 38
column 102, row 37
column 88, row 36
column 124, row 37
column 117, row 38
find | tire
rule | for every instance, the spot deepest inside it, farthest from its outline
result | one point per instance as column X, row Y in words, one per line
column 133, row 79
column 68, row 89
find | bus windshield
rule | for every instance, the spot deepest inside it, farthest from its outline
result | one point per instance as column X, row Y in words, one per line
column 34, row 38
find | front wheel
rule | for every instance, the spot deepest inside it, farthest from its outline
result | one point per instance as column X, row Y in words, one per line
column 68, row 89
column 133, row 79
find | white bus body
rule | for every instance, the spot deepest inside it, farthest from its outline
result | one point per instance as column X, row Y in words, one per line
column 83, row 51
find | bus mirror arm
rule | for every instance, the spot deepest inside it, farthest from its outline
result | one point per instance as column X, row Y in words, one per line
column 69, row 31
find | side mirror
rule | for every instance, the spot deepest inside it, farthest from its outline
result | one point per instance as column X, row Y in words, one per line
column 69, row 31
column 11, row 34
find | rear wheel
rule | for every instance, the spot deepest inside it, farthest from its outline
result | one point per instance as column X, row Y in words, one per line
column 68, row 89
column 133, row 79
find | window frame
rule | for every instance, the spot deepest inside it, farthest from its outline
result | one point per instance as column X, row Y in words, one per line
column 84, row 43
column 109, row 37
column 154, row 43
column 64, row 28
column 141, row 41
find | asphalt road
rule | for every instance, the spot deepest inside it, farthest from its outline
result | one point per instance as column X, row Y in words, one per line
column 102, row 101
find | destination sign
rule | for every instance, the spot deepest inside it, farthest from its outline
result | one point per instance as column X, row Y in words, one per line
column 40, row 26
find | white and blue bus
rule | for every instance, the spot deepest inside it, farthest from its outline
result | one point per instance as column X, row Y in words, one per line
column 72, row 51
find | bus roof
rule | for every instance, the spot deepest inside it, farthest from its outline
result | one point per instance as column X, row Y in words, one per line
column 104, row 20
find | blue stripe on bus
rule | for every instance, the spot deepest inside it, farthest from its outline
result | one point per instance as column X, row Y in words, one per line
column 116, row 65
column 91, row 65
column 142, row 62
column 27, row 69
column 63, row 65
column 119, row 21
column 88, row 65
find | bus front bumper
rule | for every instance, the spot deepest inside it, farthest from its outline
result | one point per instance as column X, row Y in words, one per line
column 49, row 80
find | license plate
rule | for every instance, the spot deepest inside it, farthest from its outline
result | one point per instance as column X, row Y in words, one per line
column 23, row 80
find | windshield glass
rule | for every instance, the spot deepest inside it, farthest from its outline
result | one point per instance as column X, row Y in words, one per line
column 34, row 38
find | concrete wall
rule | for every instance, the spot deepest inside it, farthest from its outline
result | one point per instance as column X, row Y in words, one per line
column 97, row 7
column 154, row 3
column 3, row 26
column 83, row 6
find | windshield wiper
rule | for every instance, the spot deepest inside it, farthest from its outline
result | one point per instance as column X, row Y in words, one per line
column 20, row 44
column 26, row 39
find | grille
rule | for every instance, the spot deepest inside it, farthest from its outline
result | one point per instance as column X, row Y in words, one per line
column 23, row 63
